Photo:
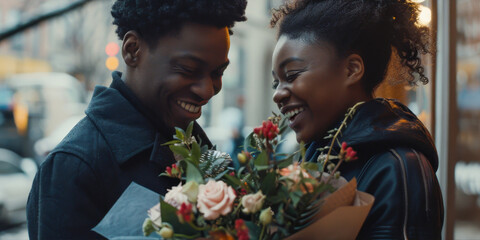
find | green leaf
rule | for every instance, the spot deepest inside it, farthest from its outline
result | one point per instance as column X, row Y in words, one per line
column 188, row 134
column 196, row 153
column 268, row 184
column 148, row 227
column 279, row 217
column 321, row 167
column 232, row 181
column 262, row 168
column 193, row 174
column 253, row 230
column 286, row 162
column 296, row 196
column 169, row 215
column 163, row 175
column 220, row 175
column 240, row 171
column 310, row 166
column 204, row 149
column 276, row 199
column 282, row 125
column 249, row 142
column 179, row 133
column 261, row 160
column 180, row 150
column 171, row 142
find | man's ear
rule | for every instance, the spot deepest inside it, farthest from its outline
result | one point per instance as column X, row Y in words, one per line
column 354, row 69
column 131, row 48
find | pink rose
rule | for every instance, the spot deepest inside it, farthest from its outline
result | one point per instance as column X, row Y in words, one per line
column 293, row 172
column 176, row 197
column 215, row 199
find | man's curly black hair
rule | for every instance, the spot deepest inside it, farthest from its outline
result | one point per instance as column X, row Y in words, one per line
column 370, row 28
column 153, row 19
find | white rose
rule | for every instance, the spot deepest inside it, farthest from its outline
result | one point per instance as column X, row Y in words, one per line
column 252, row 203
column 266, row 216
column 155, row 215
column 175, row 197
column 215, row 199
column 191, row 190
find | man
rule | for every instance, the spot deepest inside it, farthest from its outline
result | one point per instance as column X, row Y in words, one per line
column 175, row 53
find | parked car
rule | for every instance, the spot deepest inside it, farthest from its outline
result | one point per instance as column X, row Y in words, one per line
column 9, row 136
column 16, row 177
column 41, row 101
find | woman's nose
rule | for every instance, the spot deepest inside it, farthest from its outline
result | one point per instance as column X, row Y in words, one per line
column 281, row 95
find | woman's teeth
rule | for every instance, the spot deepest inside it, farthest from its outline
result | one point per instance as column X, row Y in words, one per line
column 294, row 112
column 189, row 107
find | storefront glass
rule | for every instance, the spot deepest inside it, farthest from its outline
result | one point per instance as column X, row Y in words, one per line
column 467, row 167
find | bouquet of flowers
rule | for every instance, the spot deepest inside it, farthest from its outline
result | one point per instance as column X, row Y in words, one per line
column 271, row 196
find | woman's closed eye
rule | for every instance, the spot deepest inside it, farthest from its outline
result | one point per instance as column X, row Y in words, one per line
column 290, row 76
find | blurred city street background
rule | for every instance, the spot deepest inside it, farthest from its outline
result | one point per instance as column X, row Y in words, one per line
column 54, row 52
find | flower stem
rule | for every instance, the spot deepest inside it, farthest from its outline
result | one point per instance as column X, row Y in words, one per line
column 237, row 208
column 263, row 232
column 196, row 227
column 350, row 113
column 183, row 236
column 335, row 169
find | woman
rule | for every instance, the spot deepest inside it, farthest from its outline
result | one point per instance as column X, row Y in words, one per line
column 331, row 55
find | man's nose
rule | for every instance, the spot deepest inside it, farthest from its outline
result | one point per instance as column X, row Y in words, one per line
column 204, row 88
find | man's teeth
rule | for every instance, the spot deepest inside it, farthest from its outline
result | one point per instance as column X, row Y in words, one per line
column 294, row 112
column 189, row 107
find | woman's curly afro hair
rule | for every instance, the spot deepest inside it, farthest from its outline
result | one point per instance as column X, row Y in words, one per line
column 155, row 18
column 370, row 28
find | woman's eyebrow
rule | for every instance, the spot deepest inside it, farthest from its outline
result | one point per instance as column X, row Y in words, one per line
column 289, row 60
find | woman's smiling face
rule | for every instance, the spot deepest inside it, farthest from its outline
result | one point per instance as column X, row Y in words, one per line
column 310, row 86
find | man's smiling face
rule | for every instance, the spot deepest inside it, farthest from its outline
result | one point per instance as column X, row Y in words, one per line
column 182, row 72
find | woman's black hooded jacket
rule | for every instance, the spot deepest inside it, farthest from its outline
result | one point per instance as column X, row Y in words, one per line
column 397, row 161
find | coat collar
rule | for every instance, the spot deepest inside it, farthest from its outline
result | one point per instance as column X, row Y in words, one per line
column 380, row 124
column 125, row 130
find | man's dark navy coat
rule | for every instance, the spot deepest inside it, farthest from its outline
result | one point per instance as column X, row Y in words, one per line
column 87, row 172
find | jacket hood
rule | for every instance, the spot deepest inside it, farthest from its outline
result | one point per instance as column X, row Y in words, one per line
column 381, row 124
column 386, row 123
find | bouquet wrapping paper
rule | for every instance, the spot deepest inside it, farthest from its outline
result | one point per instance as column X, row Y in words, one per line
column 341, row 216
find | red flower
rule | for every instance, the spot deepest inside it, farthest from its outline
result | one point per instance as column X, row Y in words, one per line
column 268, row 130
column 351, row 154
column 185, row 213
column 242, row 230
column 348, row 152
column 174, row 171
column 242, row 192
